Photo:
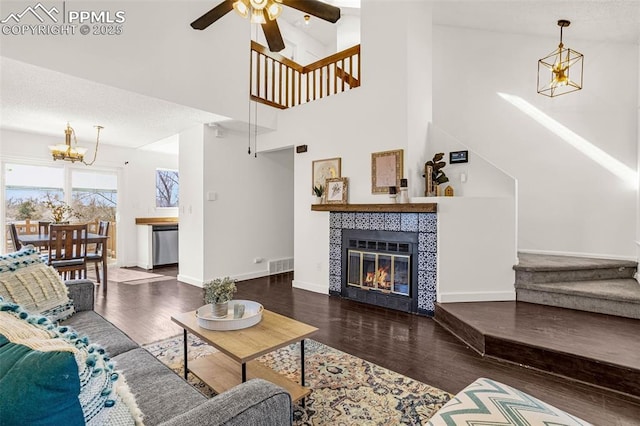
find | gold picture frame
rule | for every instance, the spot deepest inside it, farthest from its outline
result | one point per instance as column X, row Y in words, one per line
column 321, row 170
column 386, row 170
column 337, row 190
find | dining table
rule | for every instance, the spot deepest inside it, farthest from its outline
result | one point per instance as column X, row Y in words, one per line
column 42, row 240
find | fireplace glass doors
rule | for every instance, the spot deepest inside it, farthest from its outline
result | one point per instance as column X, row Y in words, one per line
column 388, row 273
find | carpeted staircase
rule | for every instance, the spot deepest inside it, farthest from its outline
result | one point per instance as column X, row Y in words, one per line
column 595, row 285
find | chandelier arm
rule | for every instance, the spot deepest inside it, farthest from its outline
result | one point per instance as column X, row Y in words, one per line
column 95, row 153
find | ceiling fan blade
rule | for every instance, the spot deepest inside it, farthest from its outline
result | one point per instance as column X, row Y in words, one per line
column 316, row 8
column 213, row 15
column 272, row 34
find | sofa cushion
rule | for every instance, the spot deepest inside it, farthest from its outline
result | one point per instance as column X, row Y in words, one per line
column 38, row 386
column 38, row 288
column 101, row 331
column 160, row 393
column 486, row 402
column 50, row 371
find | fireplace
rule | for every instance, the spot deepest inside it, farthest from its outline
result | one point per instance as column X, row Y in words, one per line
column 379, row 268
column 388, row 259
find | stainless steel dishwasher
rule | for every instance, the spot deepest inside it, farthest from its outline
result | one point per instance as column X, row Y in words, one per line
column 165, row 244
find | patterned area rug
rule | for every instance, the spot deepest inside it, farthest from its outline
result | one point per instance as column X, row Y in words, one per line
column 346, row 390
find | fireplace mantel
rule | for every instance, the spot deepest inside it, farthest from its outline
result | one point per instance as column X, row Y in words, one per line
column 377, row 208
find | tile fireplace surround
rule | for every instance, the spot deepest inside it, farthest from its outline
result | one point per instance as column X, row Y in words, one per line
column 424, row 224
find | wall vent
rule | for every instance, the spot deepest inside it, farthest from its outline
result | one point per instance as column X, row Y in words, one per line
column 278, row 266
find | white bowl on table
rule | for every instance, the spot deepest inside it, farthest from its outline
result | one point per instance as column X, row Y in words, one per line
column 252, row 315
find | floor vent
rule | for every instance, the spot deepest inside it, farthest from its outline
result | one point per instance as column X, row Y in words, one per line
column 278, row 266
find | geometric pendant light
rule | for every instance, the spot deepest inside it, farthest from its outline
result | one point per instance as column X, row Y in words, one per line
column 560, row 72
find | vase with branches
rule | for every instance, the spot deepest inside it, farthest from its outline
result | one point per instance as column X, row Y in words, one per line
column 60, row 211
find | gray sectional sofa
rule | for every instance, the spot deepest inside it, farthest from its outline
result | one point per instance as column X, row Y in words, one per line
column 163, row 396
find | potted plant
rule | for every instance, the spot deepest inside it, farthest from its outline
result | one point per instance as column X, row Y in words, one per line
column 317, row 194
column 219, row 292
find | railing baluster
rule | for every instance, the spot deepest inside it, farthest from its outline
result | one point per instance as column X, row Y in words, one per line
column 314, row 80
column 273, row 80
column 258, row 76
column 350, row 71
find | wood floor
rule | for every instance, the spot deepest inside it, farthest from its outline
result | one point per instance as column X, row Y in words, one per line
column 409, row 344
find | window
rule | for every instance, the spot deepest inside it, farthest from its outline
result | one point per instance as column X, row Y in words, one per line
column 167, row 188
column 94, row 195
column 91, row 194
column 27, row 187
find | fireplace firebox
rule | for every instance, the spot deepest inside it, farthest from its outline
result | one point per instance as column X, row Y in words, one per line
column 379, row 268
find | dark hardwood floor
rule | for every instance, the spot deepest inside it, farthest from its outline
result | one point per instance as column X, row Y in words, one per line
column 409, row 344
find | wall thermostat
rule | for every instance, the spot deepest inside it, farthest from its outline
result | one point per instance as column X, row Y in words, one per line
column 458, row 157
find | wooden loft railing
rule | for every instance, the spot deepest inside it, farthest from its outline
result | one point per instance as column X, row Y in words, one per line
column 282, row 83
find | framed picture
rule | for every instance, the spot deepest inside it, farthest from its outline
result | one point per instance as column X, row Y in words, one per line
column 337, row 191
column 323, row 170
column 458, row 157
column 386, row 170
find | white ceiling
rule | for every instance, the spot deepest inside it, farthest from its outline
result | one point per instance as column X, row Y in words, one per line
column 41, row 101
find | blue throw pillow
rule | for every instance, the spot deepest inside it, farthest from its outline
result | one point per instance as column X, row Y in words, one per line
column 49, row 375
column 38, row 388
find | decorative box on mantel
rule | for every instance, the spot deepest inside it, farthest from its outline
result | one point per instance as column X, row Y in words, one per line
column 384, row 254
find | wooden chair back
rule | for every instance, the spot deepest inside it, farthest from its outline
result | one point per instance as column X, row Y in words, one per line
column 13, row 231
column 43, row 227
column 68, row 250
column 100, row 248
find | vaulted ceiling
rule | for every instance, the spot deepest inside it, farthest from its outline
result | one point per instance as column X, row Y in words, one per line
column 39, row 100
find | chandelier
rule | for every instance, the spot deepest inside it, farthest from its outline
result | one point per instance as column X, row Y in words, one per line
column 560, row 72
column 68, row 152
column 257, row 9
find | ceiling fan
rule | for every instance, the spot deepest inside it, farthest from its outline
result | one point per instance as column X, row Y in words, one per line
column 265, row 12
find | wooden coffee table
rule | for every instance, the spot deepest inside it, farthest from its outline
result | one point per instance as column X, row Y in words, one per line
column 235, row 363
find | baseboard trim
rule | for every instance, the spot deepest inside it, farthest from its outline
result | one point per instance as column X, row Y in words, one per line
column 250, row 275
column 574, row 254
column 190, row 280
column 316, row 288
column 489, row 296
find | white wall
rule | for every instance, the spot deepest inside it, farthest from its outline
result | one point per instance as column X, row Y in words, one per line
column 568, row 203
column 348, row 33
column 191, row 241
column 158, row 54
column 136, row 180
column 351, row 125
column 638, row 168
column 235, row 207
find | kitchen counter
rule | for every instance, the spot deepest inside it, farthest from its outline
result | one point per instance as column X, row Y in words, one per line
column 147, row 258
column 156, row 220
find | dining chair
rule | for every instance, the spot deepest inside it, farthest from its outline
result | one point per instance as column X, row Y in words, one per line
column 100, row 248
column 68, row 250
column 43, row 229
column 13, row 231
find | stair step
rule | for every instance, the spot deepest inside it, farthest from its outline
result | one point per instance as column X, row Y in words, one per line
column 598, row 349
column 620, row 297
column 535, row 268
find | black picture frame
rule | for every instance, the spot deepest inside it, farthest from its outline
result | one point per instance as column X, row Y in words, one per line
column 456, row 157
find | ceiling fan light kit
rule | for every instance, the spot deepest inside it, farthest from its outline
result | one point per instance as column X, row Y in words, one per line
column 560, row 72
column 265, row 12
column 68, row 152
